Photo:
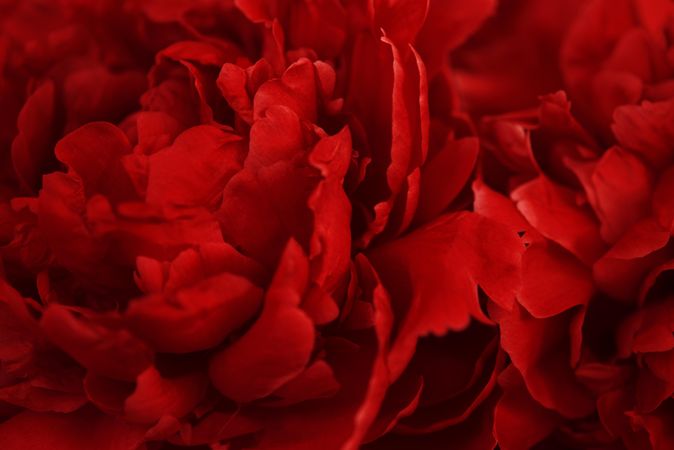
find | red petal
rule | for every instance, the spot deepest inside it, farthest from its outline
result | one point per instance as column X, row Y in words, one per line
column 398, row 146
column 320, row 26
column 296, row 90
column 192, row 266
column 500, row 208
column 647, row 130
column 232, row 82
column 448, row 24
column 652, row 277
column 275, row 136
column 473, row 434
column 585, row 52
column 380, row 378
column 199, row 52
column 320, row 306
column 35, row 394
column 649, row 330
column 29, row 380
column 31, row 149
column 331, row 239
column 553, row 211
column 94, row 152
column 60, row 206
column 444, row 176
column 95, row 93
column 195, row 169
column 107, row 394
column 317, row 381
column 459, row 372
column 278, row 346
column 196, row 317
column 214, row 427
column 622, row 269
column 175, row 98
column 449, row 257
column 156, row 130
column 612, row 408
column 260, row 211
column 553, row 281
column 20, row 328
column 156, row 396
column 415, row 94
column 512, row 59
column 136, row 229
column 618, row 205
column 402, row 400
column 656, row 382
column 105, row 348
column 659, row 427
column 519, row 421
column 258, row 10
column 82, row 430
column 543, row 350
column 327, row 423
column 199, row 60
column 400, row 20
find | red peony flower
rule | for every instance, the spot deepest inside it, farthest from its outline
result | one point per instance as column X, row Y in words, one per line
column 616, row 53
column 592, row 323
column 263, row 244
column 336, row 224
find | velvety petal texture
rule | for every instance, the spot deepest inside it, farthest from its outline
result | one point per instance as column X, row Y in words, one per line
column 336, row 224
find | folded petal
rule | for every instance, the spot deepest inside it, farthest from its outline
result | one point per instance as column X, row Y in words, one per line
column 316, row 382
column 553, row 281
column 380, row 378
column 261, row 210
column 520, row 421
column 32, row 147
column 555, row 213
column 277, row 135
column 278, row 345
column 501, row 209
column 623, row 268
column 94, row 153
column 138, row 229
column 156, row 396
column 296, row 90
column 239, row 85
column 398, row 145
column 647, row 130
column 448, row 258
column 155, row 130
column 105, row 348
column 543, row 350
column 197, row 317
column 618, row 205
column 444, row 176
column 195, row 169
column 331, row 238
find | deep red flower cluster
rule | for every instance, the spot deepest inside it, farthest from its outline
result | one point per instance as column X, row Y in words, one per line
column 336, row 224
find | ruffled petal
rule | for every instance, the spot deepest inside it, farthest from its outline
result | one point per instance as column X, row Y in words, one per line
column 278, row 345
